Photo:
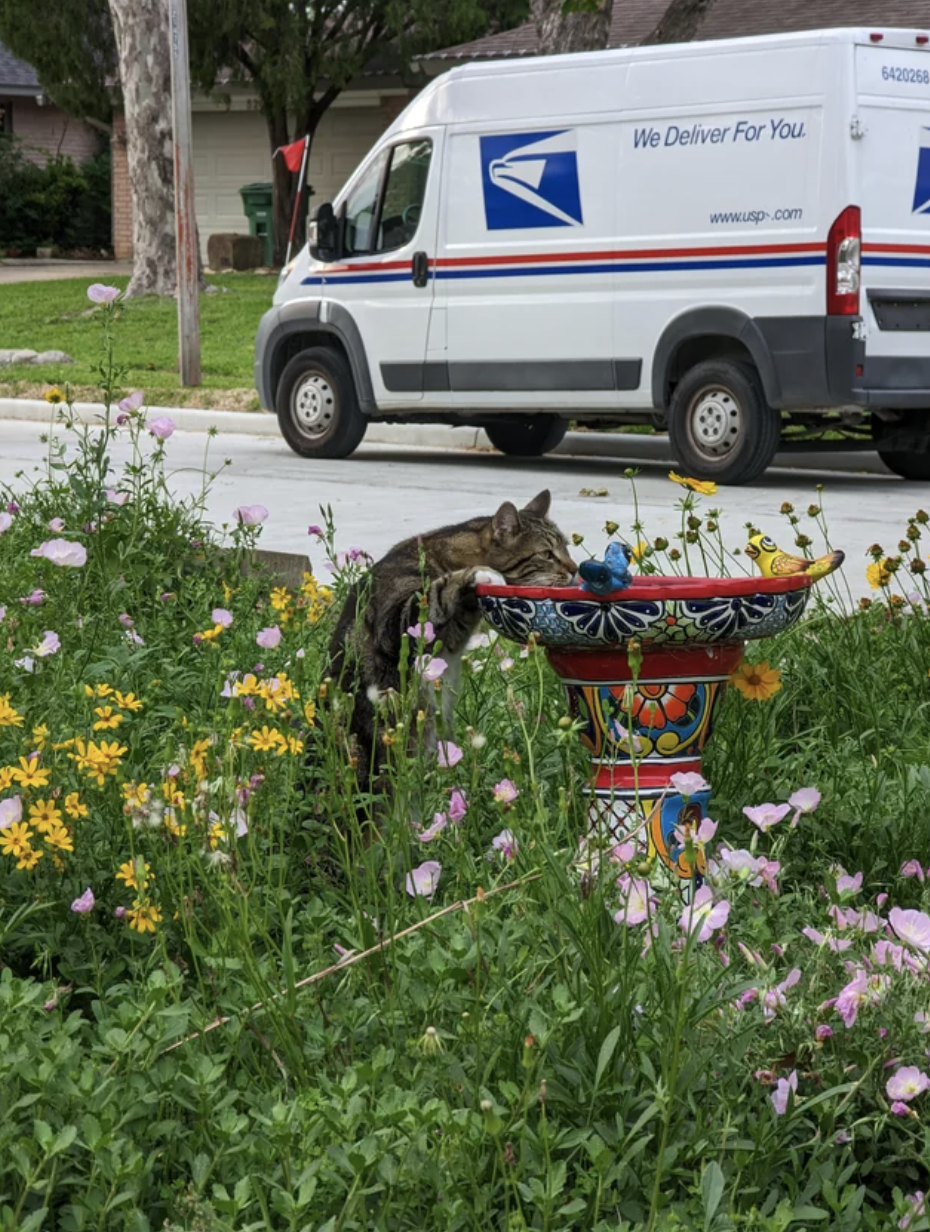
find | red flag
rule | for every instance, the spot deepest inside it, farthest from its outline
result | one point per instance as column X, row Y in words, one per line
column 293, row 153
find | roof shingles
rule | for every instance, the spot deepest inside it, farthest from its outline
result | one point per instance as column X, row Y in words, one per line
column 16, row 74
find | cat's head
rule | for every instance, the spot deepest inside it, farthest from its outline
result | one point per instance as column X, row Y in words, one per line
column 526, row 547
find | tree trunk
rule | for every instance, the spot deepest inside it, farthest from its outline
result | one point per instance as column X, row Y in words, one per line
column 141, row 31
column 559, row 31
column 680, row 22
column 283, row 182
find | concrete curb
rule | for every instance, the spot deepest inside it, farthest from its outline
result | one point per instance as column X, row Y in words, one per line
column 626, row 446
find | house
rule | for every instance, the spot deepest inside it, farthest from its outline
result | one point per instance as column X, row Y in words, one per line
column 42, row 128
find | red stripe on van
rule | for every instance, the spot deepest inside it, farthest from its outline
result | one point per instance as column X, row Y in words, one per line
column 921, row 248
column 723, row 250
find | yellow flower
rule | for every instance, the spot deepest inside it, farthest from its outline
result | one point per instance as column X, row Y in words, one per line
column 706, row 487
column 280, row 599
column 15, row 838
column 295, row 745
column 756, row 681
column 277, row 692
column 172, row 825
column 210, row 635
column 198, row 757
column 134, row 873
column 268, row 741
column 40, row 735
column 60, row 839
column 109, row 718
column 29, row 775
column 8, row 716
column 54, row 395
column 128, row 701
column 73, row 806
column 228, row 593
column 44, row 815
column 640, row 551
column 246, row 686
column 173, row 794
column 6, row 777
column 143, row 916
column 29, row 858
column 100, row 690
column 310, row 713
column 878, row 574
column 136, row 795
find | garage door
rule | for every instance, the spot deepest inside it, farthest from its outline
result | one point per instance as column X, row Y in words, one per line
column 231, row 149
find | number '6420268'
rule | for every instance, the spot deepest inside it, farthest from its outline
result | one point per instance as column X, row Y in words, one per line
column 910, row 76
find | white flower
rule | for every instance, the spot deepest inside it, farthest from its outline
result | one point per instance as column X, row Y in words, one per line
column 62, row 552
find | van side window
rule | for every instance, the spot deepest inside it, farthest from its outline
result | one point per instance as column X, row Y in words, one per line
column 362, row 209
column 403, row 194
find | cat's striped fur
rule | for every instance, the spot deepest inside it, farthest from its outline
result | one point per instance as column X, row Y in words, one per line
column 521, row 547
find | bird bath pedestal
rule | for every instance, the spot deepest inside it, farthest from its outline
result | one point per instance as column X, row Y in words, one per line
column 642, row 727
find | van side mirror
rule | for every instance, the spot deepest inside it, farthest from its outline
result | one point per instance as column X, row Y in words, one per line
column 323, row 234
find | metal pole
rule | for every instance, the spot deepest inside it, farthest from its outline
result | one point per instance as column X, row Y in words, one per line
column 296, row 209
column 184, row 215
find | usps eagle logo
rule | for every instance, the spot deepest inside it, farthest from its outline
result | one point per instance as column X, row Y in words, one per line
column 922, row 187
column 531, row 180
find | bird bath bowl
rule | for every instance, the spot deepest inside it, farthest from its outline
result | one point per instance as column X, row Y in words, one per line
column 641, row 728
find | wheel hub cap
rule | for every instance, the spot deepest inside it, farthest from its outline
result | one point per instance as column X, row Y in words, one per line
column 715, row 421
column 314, row 405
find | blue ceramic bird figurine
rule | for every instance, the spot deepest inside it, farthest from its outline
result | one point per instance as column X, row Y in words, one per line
column 610, row 574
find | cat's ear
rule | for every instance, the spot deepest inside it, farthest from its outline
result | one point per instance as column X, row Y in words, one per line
column 506, row 522
column 539, row 505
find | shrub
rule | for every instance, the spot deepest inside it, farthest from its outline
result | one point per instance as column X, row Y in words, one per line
column 59, row 204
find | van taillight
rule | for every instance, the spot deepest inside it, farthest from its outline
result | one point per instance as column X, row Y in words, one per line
column 843, row 251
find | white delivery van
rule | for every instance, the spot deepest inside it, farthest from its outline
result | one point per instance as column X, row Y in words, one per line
column 730, row 239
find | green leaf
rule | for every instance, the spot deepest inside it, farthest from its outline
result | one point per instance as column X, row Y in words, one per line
column 605, row 1054
column 712, row 1187
column 808, row 1212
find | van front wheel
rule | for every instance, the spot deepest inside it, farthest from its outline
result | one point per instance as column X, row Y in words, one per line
column 530, row 436
column 318, row 412
column 719, row 423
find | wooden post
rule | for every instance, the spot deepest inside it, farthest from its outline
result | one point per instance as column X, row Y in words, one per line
column 185, row 217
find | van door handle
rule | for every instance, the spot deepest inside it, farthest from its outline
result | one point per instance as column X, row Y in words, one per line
column 419, row 269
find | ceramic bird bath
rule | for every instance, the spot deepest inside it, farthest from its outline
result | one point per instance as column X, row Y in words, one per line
column 640, row 732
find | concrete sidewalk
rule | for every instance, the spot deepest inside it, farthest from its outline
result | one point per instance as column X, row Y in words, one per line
column 627, row 447
column 53, row 269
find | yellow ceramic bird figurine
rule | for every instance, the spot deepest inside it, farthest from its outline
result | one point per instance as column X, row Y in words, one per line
column 773, row 562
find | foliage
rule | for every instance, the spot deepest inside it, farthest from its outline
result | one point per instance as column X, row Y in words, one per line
column 59, row 203
column 525, row 1062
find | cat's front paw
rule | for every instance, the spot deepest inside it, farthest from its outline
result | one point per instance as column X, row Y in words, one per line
column 489, row 577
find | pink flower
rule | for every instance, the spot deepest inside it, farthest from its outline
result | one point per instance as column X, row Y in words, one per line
column 56, row 524
column 911, row 927
column 133, row 636
column 126, row 620
column 424, row 879
column 268, row 639
column 506, row 844
column 785, row 1088
column 424, row 631
column 848, row 885
column 97, row 293
column 623, row 853
column 11, row 810
column 688, row 783
column 912, row 868
column 37, row 598
column 440, row 821
column 250, row 515
column 805, row 799
column 861, row 990
column 116, row 498
column 898, row 1108
column 162, row 428
column 636, row 902
column 131, row 402
column 458, row 805
column 907, row 1083
column 918, row 1204
column 818, row 938
column 316, row 530
column 887, row 954
column 85, row 904
column 62, row 552
column 703, row 915
column 448, row 754
column 6, row 521
column 430, row 667
column 505, row 792
column 220, row 616
column 774, row 998
column 823, row 1032
column 767, row 815
column 768, row 871
column 50, row 644
column 703, row 834
column 119, row 913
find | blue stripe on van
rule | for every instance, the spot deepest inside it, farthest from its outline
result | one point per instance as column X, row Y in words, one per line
column 918, row 262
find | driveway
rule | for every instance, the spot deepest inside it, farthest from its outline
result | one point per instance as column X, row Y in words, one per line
column 50, row 271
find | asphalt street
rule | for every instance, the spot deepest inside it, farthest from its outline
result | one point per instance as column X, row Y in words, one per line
column 385, row 493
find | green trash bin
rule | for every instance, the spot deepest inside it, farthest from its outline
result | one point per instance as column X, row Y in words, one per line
column 257, row 202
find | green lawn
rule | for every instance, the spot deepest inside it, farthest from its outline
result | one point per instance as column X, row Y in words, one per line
column 54, row 316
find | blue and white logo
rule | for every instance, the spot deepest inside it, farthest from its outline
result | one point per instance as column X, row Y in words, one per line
column 922, row 187
column 531, row 180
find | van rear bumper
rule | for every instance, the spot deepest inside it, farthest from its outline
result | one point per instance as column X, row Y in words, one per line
column 896, row 382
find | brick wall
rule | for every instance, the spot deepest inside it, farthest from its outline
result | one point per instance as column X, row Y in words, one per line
column 122, row 199
column 46, row 131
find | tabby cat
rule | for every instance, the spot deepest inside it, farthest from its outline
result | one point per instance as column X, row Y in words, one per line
column 521, row 547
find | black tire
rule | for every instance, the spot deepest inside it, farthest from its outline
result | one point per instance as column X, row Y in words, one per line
column 530, row 436
column 911, row 464
column 317, row 408
column 720, row 425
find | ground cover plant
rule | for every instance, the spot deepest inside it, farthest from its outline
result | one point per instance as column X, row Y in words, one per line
column 225, row 1004
column 54, row 316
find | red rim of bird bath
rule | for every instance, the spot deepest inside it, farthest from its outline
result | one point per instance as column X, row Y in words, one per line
column 657, row 586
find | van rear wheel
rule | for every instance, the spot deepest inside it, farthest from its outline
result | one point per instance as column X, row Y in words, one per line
column 719, row 423
column 530, row 436
column 912, row 464
column 317, row 408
